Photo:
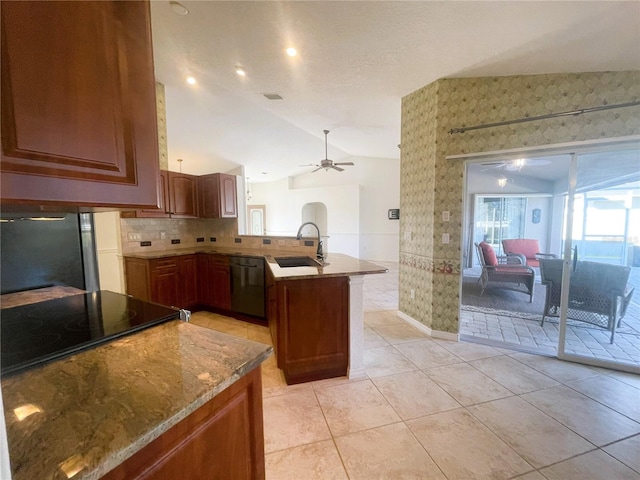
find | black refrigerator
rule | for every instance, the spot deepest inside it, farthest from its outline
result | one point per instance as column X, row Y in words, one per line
column 39, row 250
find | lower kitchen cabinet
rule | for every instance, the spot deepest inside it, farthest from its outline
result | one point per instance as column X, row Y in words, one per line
column 214, row 287
column 310, row 333
column 169, row 281
column 223, row 439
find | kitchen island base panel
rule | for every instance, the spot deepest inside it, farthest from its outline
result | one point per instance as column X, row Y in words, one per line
column 222, row 439
column 295, row 378
column 310, row 327
column 356, row 327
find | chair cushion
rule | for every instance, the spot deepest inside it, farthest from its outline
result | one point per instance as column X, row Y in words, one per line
column 489, row 254
column 527, row 247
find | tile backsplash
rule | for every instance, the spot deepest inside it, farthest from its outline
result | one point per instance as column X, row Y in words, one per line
column 163, row 232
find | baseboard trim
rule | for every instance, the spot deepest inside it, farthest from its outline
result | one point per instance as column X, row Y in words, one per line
column 423, row 328
column 354, row 373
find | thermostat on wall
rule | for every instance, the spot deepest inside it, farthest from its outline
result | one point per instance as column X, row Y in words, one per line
column 394, row 214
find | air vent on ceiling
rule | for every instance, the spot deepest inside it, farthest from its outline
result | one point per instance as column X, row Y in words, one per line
column 272, row 96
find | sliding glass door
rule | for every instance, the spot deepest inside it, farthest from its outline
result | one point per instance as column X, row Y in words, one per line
column 583, row 207
column 599, row 302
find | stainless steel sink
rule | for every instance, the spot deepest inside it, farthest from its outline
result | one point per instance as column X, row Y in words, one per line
column 286, row 262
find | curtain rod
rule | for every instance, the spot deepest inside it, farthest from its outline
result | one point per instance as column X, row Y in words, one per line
column 544, row 117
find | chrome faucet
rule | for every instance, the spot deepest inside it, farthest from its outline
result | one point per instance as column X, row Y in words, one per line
column 319, row 253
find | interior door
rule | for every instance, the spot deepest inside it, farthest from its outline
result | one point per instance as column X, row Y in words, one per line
column 256, row 215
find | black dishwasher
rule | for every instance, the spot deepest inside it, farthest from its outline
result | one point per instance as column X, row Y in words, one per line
column 247, row 285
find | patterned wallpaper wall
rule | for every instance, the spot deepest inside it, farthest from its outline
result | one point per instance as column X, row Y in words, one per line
column 431, row 184
column 161, row 109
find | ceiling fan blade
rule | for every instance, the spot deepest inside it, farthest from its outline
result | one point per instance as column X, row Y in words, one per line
column 337, row 168
column 309, row 165
column 319, row 168
column 344, row 163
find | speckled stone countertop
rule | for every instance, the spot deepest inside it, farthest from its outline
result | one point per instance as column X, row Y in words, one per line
column 36, row 295
column 336, row 265
column 233, row 251
column 93, row 410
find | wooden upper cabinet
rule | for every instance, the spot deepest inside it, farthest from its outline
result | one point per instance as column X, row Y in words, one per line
column 78, row 104
column 217, row 196
column 183, row 196
column 162, row 211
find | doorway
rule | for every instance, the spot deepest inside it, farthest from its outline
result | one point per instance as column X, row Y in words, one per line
column 256, row 218
column 586, row 202
column 315, row 212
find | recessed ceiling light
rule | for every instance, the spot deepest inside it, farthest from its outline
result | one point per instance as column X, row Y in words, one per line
column 265, row 173
column 241, row 71
column 292, row 52
column 191, row 80
column 179, row 9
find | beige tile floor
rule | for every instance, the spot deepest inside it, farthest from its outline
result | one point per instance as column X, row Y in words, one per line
column 435, row 409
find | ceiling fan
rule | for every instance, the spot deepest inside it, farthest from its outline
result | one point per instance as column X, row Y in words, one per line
column 515, row 165
column 326, row 163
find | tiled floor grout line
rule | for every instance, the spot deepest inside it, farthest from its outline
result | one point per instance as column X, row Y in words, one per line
column 384, row 313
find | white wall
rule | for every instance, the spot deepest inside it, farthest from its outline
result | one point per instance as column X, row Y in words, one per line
column 374, row 182
column 284, row 211
column 108, row 251
column 5, row 466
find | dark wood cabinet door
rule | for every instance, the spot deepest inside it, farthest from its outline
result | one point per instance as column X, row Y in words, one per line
column 163, row 201
column 188, row 272
column 209, row 196
column 204, row 283
column 221, row 293
column 223, row 439
column 78, row 104
column 217, row 196
column 228, row 196
column 183, row 195
column 136, row 273
column 313, row 333
column 165, row 282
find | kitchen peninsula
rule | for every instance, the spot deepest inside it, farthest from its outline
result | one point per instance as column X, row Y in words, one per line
column 315, row 313
column 140, row 403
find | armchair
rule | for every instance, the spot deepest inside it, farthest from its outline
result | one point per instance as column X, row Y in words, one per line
column 598, row 292
column 506, row 270
column 528, row 247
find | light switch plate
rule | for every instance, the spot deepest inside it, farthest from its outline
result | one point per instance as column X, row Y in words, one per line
column 445, row 216
column 445, row 238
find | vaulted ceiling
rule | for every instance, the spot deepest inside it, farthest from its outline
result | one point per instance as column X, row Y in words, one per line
column 356, row 60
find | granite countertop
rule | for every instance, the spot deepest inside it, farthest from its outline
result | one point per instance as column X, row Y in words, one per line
column 95, row 409
column 36, row 295
column 237, row 251
column 336, row 265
